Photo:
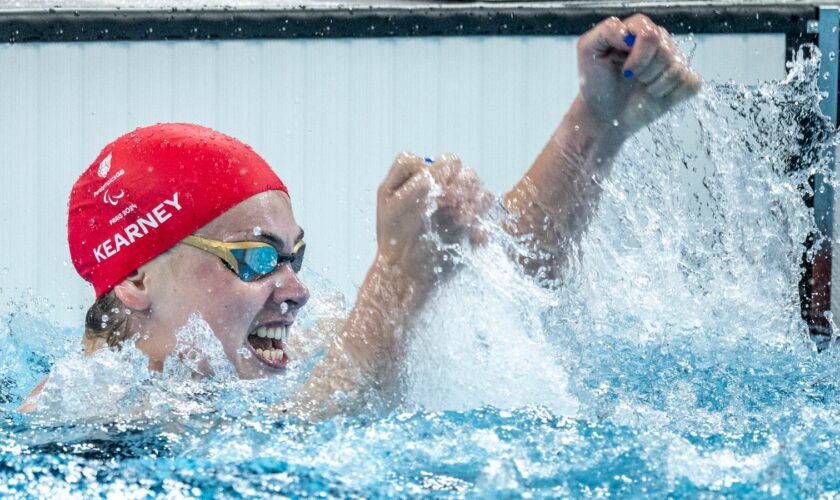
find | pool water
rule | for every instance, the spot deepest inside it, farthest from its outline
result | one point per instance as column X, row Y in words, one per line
column 670, row 360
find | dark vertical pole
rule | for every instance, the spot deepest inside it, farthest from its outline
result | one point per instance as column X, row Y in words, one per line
column 817, row 305
column 809, row 300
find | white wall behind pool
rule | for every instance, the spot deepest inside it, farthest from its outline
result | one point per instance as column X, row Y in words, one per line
column 329, row 115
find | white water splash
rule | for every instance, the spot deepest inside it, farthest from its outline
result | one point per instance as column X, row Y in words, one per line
column 695, row 248
column 482, row 342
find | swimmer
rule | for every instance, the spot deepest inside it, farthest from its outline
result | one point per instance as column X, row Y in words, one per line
column 190, row 243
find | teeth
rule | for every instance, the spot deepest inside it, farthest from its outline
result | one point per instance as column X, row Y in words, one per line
column 279, row 333
column 271, row 354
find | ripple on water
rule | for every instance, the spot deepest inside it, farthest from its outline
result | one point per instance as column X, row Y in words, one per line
column 672, row 358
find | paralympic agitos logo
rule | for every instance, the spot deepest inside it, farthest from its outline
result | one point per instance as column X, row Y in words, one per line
column 112, row 199
column 142, row 226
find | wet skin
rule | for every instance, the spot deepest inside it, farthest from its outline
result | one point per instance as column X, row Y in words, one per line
column 625, row 84
column 186, row 280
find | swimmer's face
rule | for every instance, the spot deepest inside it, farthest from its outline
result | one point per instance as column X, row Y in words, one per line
column 243, row 315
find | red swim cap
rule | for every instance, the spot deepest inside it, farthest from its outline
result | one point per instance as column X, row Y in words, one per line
column 152, row 187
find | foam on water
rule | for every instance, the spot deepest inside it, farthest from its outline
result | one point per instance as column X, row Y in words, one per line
column 506, row 360
column 670, row 359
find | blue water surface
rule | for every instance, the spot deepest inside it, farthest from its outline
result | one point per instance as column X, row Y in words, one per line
column 671, row 360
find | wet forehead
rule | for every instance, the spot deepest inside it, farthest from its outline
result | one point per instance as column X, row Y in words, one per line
column 270, row 211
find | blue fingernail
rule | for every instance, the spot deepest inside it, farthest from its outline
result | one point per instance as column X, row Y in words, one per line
column 628, row 73
column 429, row 160
column 630, row 39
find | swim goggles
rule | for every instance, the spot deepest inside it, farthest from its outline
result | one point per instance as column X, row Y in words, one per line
column 250, row 260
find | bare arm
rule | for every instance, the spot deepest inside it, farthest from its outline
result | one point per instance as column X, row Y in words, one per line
column 627, row 81
column 554, row 201
column 30, row 402
column 361, row 366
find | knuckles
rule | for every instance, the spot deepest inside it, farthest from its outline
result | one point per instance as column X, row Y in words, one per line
column 612, row 23
column 695, row 82
column 639, row 19
column 649, row 36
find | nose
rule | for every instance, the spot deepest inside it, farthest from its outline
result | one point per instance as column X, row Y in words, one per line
column 288, row 289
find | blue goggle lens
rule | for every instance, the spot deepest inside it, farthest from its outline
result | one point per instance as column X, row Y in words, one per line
column 255, row 263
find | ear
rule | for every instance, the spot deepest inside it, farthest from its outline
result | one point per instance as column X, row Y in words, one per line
column 134, row 292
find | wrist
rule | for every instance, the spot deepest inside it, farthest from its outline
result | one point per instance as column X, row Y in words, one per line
column 582, row 148
column 583, row 122
column 585, row 142
column 395, row 284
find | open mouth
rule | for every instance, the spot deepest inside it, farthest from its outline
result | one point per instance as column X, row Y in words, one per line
column 268, row 344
